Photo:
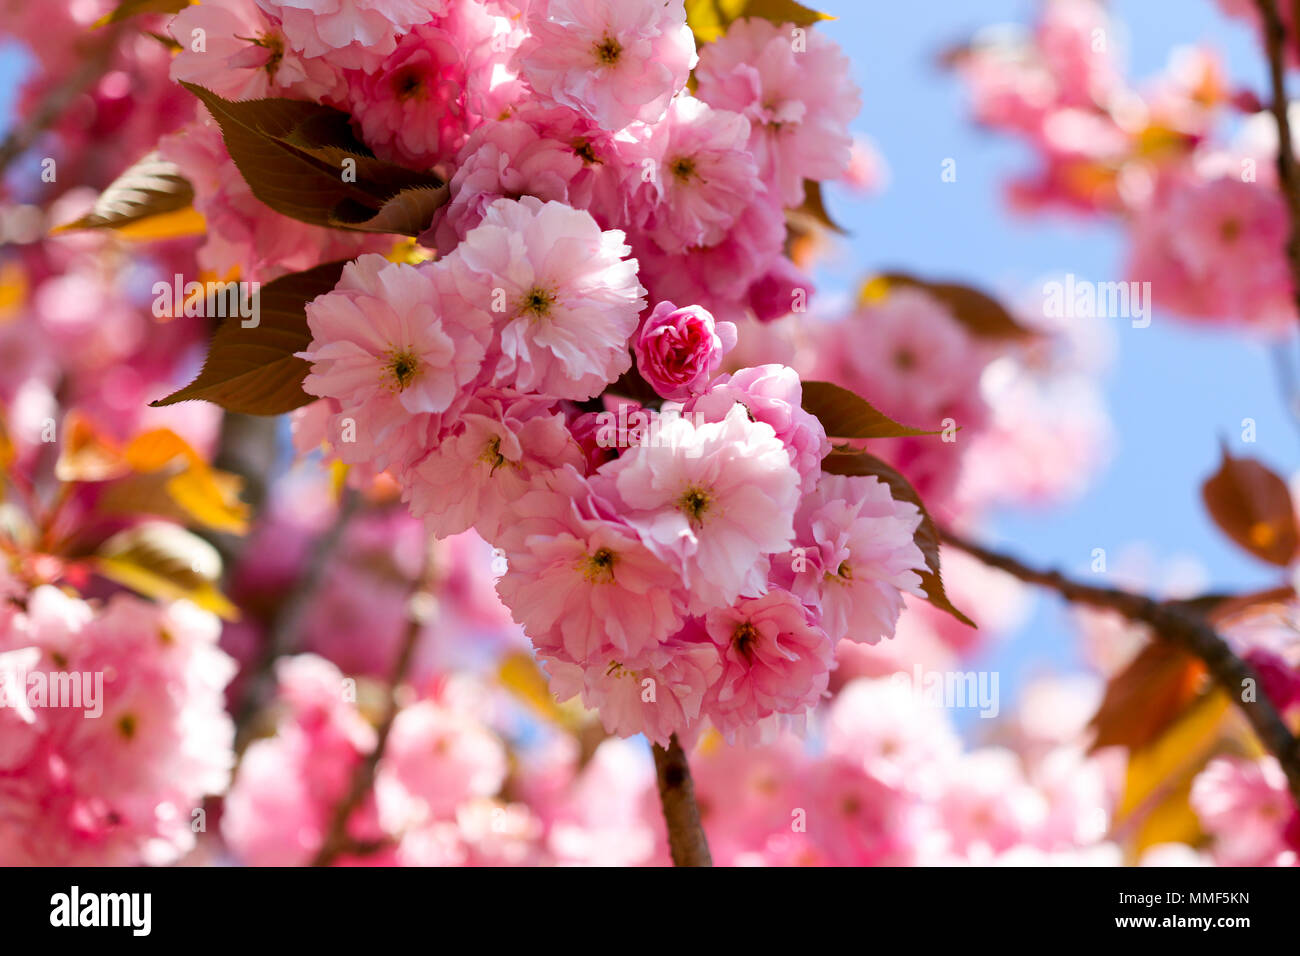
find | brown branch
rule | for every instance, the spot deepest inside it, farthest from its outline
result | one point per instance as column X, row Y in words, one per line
column 248, row 446
column 337, row 839
column 1288, row 173
column 1172, row 621
column 686, row 837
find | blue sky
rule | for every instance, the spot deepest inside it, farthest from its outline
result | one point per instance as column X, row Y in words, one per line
column 1173, row 389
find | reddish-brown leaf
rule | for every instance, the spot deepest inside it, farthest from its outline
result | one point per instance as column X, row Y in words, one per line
column 845, row 414
column 254, row 371
column 1144, row 699
column 981, row 314
column 1252, row 506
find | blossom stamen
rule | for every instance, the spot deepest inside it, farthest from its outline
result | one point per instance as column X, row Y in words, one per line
column 126, row 726
column 274, row 45
column 608, row 51
column 694, row 503
column 492, row 455
column 599, row 566
column 538, row 302
column 582, row 148
column 409, row 83
column 403, row 367
column 744, row 638
column 682, row 168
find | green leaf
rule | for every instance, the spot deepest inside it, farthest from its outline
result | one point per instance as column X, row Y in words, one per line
column 982, row 315
column 150, row 187
column 927, row 535
column 709, row 19
column 294, row 155
column 254, row 371
column 846, row 415
column 130, row 8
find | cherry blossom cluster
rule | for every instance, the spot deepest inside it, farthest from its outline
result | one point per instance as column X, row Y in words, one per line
column 890, row 784
column 1206, row 223
column 700, row 568
column 114, row 728
column 604, row 224
column 563, row 379
column 570, row 101
column 440, row 770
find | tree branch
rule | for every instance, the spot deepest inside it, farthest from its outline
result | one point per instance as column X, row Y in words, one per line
column 1174, row 622
column 248, row 446
column 337, row 840
column 1288, row 174
column 686, row 837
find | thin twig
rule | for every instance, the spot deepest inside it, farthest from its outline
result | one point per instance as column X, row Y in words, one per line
column 686, row 838
column 1178, row 623
column 337, row 839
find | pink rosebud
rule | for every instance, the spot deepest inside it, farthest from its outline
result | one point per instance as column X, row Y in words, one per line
column 678, row 350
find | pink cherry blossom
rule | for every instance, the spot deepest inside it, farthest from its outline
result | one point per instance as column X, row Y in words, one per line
column 715, row 499
column 587, row 585
column 703, row 175
column 561, row 293
column 781, row 290
column 772, row 394
column 499, row 443
column 775, row 660
column 243, row 55
column 614, row 62
column 793, row 86
column 110, row 775
column 1245, row 806
column 415, row 108
column 388, row 349
column 506, row 159
column 351, row 33
column 719, row 275
column 989, row 807
column 436, row 759
column 1212, row 249
column 884, row 728
column 658, row 694
column 856, row 555
column 919, row 359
